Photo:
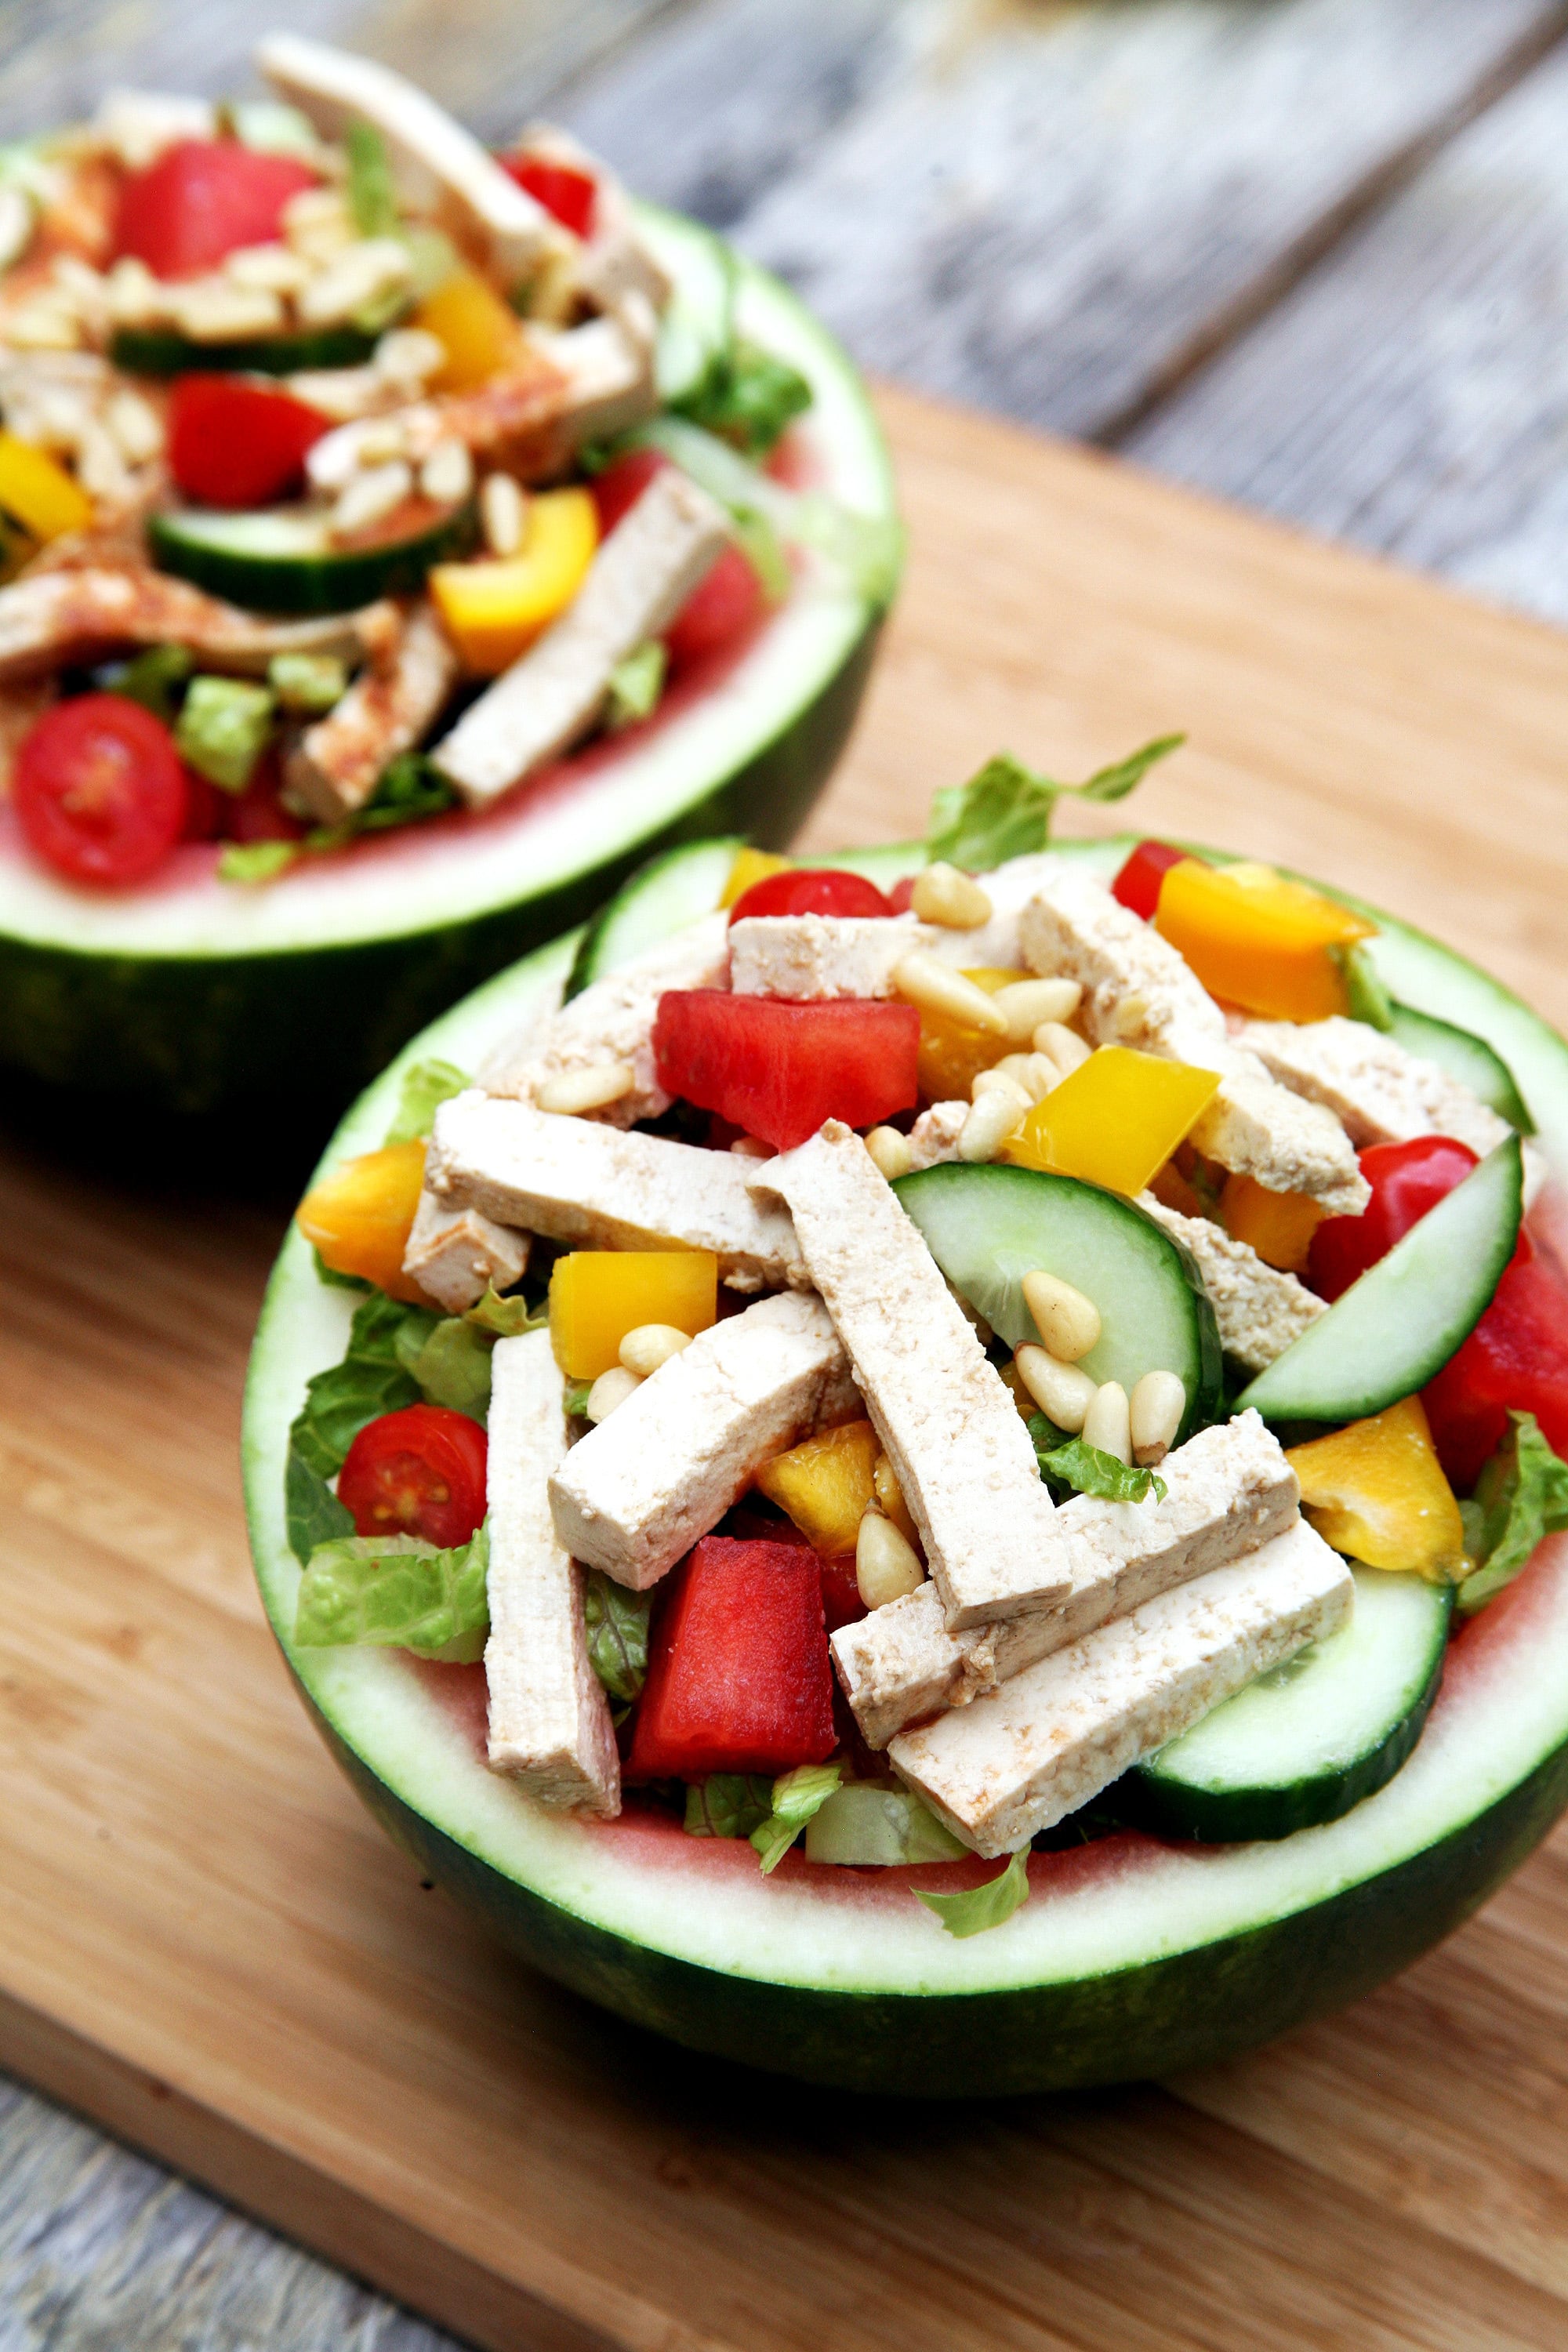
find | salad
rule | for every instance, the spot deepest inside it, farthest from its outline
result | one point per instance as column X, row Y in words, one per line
column 914, row 1372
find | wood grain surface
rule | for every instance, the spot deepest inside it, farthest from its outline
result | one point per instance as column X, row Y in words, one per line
column 206, row 1945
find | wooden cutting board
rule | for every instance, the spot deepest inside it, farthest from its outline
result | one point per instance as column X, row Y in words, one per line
column 204, row 1943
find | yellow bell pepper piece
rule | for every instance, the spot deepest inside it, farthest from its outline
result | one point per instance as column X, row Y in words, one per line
column 596, row 1297
column 359, row 1217
column 1115, row 1121
column 479, row 334
column 824, row 1485
column 1257, row 940
column 1279, row 1226
column 752, row 865
column 890, row 1494
column 44, row 499
column 952, row 1056
column 493, row 610
column 1377, row 1492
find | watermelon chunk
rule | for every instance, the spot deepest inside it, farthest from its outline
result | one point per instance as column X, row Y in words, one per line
column 739, row 1678
column 778, row 1068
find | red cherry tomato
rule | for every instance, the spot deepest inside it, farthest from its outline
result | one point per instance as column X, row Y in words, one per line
column 804, row 891
column 1406, row 1179
column 720, row 609
column 420, row 1472
column 257, row 813
column 569, row 195
column 206, row 809
column 202, row 199
column 1138, row 884
column 99, row 791
column 618, row 489
column 233, row 444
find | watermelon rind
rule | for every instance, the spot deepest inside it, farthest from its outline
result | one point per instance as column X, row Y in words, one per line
column 194, row 994
column 1132, row 1958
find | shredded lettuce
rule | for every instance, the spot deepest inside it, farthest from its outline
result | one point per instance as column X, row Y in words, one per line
column 576, row 1397
column 223, row 727
column 728, row 1804
column 372, row 195
column 636, row 685
column 399, row 1592
column 798, row 1795
column 334, row 1279
column 746, row 396
column 991, row 1905
column 506, row 1318
column 426, row 1087
column 255, row 861
column 1072, row 1467
column 308, row 683
column 1005, row 810
column 156, row 677
column 869, row 1825
column 1365, row 996
column 1521, row 1498
column 371, row 1381
column 617, row 1622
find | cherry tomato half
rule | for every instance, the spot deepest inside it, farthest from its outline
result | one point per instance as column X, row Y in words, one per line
column 99, row 791
column 1138, row 884
column 420, row 1472
column 205, row 198
column 1407, row 1180
column 567, row 195
column 233, row 444
column 825, row 891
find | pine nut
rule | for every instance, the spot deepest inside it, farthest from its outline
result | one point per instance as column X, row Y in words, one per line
column 1063, row 1393
column 406, row 355
column 650, row 1345
column 1130, row 1014
column 937, row 987
column 1027, row 1002
column 1155, row 1410
column 890, row 1152
column 994, row 1118
column 1066, row 1320
column 886, row 1567
column 1061, row 1046
column 1105, row 1424
column 611, row 1389
column 448, row 473
column 575, row 1091
column 890, row 1495
column 370, row 495
column 751, row 1147
column 944, row 895
column 503, row 509
column 1001, row 1082
column 1036, row 1073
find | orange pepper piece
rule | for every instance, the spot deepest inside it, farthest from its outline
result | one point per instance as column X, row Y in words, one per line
column 953, row 1055
column 1257, row 940
column 480, row 335
column 359, row 1217
column 1376, row 1491
column 1279, row 1226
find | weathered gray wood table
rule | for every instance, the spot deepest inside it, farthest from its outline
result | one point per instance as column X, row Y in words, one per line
column 1312, row 254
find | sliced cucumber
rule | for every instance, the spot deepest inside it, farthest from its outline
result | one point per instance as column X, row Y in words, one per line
column 1307, row 1741
column 699, row 326
column 160, row 351
column 987, row 1226
column 1398, row 1326
column 1466, row 1057
column 282, row 559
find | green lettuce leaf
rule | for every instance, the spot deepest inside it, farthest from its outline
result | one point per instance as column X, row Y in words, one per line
column 453, row 1367
column 617, row 1622
column 728, row 1804
column 371, row 1380
column 223, row 727
column 426, row 1087
column 747, row 396
column 1069, row 1465
column 796, row 1796
column 334, row 1279
column 989, row 1906
column 575, row 1399
column 156, row 677
column 398, row 1592
column 1521, row 1498
column 636, row 685
column 1365, row 995
column 1005, row 810
column 867, row 1825
column 372, row 195
column 308, row 683
column 410, row 787
column 507, row 1316
column 312, row 1511
column 255, row 861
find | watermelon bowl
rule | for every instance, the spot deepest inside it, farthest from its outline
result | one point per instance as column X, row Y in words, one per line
column 196, row 995
column 1133, row 1958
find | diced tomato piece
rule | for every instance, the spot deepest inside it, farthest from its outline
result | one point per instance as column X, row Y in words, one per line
column 618, row 489
column 233, row 444
column 206, row 809
column 257, row 813
column 1516, row 1356
column 205, row 198
column 802, row 890
column 1138, row 884
column 420, row 1472
column 779, row 1068
column 1407, row 1180
column 720, row 609
column 841, row 1602
column 1466, row 1429
column 567, row 195
column 99, row 790
column 901, row 898
column 739, row 1678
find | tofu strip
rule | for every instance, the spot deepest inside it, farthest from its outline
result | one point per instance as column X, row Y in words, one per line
column 1138, row 991
column 637, row 584
column 1260, row 1309
column 51, row 618
column 455, row 1254
column 959, row 1451
column 341, row 760
column 1045, row 1743
column 1227, row 1490
column 635, row 1494
column 1378, row 1091
column 574, row 1181
column 612, row 1020
column 548, row 1719
column 821, row 956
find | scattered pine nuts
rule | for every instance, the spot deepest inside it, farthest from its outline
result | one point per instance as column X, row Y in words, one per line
column 1036, row 1073
column 503, row 511
column 1027, row 1002
column 886, row 1566
column 935, row 987
column 944, row 895
column 994, row 1118
column 1130, row 1014
column 1061, row 1046
column 610, row 1389
column 650, row 1345
column 1154, row 1410
column 1066, row 1320
column 575, row 1091
column 890, row 1152
column 370, row 495
column 751, row 1147
column 1000, row 1081
column 1063, row 1393
column 1105, row 1424
column 447, row 474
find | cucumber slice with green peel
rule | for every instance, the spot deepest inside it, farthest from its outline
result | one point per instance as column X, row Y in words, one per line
column 282, row 559
column 1396, row 1328
column 1465, row 1056
column 1305, row 1743
column 163, row 351
column 988, row 1226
